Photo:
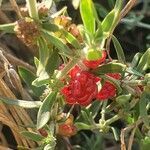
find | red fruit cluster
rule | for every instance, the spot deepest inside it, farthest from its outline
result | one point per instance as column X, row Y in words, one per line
column 67, row 130
column 82, row 88
column 95, row 63
column 108, row 89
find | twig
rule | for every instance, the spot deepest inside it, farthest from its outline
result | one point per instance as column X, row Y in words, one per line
column 122, row 136
column 132, row 138
column 127, row 8
column 16, row 8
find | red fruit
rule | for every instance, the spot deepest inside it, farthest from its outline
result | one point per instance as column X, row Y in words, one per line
column 108, row 90
column 82, row 88
column 43, row 132
column 67, row 130
column 95, row 63
column 73, row 72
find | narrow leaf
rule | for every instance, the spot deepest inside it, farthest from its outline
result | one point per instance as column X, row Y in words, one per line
column 144, row 62
column 82, row 126
column 32, row 135
column 142, row 105
column 99, row 32
column 119, row 50
column 51, row 38
column 8, row 28
column 28, row 77
column 136, row 59
column 43, row 51
column 110, row 68
column 87, row 14
column 71, row 39
column 50, row 27
column 21, row 103
column 116, row 134
column 107, row 23
column 44, row 111
column 53, row 62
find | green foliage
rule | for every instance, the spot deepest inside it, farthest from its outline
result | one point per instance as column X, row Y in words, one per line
column 21, row 103
column 119, row 50
column 33, row 136
column 44, row 111
column 88, row 18
column 112, row 67
column 28, row 77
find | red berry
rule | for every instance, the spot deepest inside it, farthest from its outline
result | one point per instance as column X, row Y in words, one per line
column 95, row 63
column 43, row 132
column 67, row 130
column 73, row 72
column 108, row 90
column 82, row 88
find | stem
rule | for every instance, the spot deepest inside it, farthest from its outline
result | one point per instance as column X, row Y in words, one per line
column 32, row 7
column 113, row 119
column 67, row 68
column 103, row 111
column 127, row 8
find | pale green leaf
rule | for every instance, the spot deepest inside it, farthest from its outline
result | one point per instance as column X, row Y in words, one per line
column 44, row 111
column 21, row 103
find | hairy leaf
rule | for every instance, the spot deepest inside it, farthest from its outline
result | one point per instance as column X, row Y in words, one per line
column 44, row 111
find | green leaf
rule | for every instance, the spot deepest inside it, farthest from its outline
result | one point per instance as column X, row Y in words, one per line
column 43, row 51
column 134, row 72
column 71, row 39
column 8, row 28
column 50, row 27
column 42, row 75
column 119, row 50
column 53, row 62
column 110, row 68
column 142, row 105
column 123, row 99
column 32, row 135
column 144, row 62
column 108, row 21
column 44, row 111
column 94, row 108
column 82, row 126
column 99, row 33
column 28, row 77
column 116, row 133
column 21, row 103
column 87, row 14
column 63, row 48
column 136, row 59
